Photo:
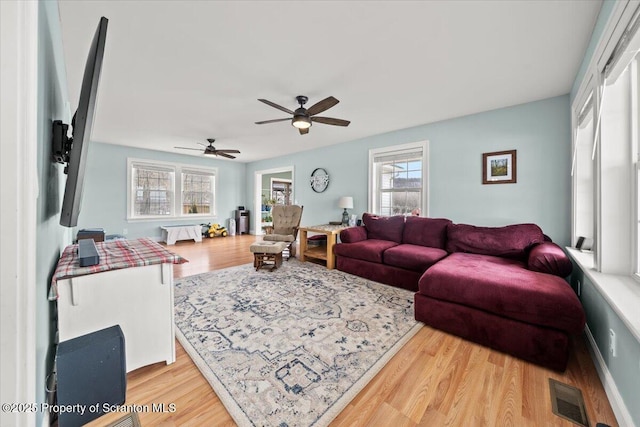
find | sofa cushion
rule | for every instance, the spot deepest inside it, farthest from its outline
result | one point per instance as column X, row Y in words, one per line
column 278, row 237
column 549, row 258
column 425, row 231
column 384, row 227
column 511, row 241
column 506, row 288
column 367, row 250
column 413, row 257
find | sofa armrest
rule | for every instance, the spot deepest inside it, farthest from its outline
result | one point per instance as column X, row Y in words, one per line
column 353, row 234
column 549, row 258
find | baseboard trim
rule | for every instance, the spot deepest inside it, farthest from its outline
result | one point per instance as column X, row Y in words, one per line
column 615, row 399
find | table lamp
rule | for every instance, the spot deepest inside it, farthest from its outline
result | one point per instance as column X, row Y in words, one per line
column 346, row 203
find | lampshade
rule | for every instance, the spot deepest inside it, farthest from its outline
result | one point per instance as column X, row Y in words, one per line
column 301, row 122
column 345, row 202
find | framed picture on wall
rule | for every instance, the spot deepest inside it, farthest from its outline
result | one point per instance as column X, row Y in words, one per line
column 499, row 167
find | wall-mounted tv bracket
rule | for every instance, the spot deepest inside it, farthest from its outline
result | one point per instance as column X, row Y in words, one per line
column 60, row 144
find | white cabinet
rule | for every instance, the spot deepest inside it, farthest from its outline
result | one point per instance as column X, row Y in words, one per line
column 139, row 299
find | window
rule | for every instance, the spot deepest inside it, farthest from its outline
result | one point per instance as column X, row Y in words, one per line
column 197, row 192
column 165, row 190
column 398, row 180
column 152, row 190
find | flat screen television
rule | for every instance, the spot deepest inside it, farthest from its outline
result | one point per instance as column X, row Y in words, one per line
column 73, row 151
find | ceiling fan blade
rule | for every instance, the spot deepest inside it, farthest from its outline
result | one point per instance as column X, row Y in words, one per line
column 274, row 105
column 228, row 151
column 330, row 121
column 272, row 121
column 304, row 131
column 229, row 156
column 188, row 148
column 321, row 106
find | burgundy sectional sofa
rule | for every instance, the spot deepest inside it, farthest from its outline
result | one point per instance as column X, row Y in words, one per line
column 501, row 287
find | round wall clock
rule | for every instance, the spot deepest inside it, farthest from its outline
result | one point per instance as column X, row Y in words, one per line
column 319, row 180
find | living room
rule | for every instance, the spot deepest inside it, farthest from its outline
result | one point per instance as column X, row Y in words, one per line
column 539, row 130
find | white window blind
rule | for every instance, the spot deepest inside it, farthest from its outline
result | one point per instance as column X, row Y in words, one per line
column 598, row 121
column 584, row 118
column 625, row 51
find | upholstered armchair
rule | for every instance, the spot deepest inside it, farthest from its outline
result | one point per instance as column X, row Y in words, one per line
column 286, row 221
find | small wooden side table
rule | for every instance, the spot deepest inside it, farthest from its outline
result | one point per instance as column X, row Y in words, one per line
column 331, row 232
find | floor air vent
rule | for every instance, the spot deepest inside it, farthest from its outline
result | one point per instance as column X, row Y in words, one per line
column 129, row 420
column 567, row 402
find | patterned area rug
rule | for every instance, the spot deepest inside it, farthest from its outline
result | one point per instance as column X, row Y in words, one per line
column 290, row 347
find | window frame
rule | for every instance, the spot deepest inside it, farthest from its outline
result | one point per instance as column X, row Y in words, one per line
column 177, row 170
column 373, row 179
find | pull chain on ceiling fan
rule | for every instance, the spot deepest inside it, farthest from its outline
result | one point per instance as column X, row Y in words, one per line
column 211, row 150
column 303, row 118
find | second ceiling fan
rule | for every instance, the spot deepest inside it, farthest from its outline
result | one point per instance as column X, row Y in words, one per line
column 303, row 117
column 211, row 150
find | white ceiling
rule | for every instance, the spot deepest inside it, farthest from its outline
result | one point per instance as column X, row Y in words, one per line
column 177, row 72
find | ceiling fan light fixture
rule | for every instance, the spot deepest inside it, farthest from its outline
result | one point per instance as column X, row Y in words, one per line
column 303, row 118
column 301, row 122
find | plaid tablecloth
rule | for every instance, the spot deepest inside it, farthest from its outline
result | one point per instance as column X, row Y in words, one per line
column 114, row 255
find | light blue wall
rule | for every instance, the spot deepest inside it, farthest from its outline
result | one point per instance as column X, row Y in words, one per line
column 539, row 131
column 104, row 200
column 600, row 315
column 52, row 237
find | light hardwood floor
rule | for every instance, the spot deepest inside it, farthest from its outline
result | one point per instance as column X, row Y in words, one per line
column 435, row 380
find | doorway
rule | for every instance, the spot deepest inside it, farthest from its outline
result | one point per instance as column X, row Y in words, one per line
column 272, row 186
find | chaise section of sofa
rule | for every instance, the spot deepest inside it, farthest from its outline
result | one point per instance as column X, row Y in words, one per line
column 503, row 287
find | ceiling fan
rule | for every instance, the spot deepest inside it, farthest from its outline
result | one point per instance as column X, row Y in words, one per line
column 211, row 150
column 303, row 117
